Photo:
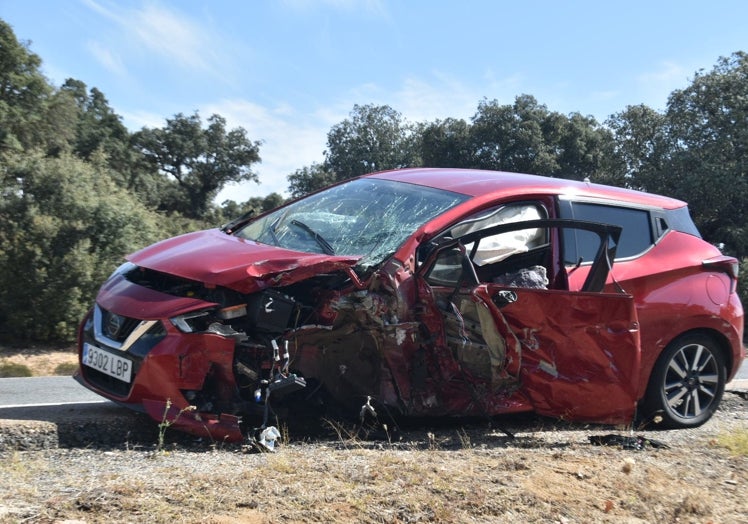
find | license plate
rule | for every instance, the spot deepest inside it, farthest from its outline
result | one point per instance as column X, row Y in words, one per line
column 106, row 362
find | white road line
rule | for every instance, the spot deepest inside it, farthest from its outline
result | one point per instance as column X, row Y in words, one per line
column 13, row 406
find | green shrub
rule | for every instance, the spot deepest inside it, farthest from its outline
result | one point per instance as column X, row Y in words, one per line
column 66, row 368
column 65, row 227
column 12, row 369
column 735, row 441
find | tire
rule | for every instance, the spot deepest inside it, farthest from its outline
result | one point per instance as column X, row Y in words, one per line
column 687, row 383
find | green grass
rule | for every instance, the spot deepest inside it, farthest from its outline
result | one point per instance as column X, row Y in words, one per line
column 66, row 368
column 736, row 442
column 11, row 369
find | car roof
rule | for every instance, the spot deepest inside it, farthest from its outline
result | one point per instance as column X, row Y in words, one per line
column 476, row 182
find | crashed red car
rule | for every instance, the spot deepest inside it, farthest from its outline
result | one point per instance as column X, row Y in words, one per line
column 427, row 292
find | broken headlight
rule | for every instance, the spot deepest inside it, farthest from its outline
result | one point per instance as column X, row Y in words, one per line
column 206, row 319
column 193, row 322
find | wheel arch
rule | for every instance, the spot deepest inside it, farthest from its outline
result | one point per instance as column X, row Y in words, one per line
column 652, row 406
column 725, row 340
column 723, row 343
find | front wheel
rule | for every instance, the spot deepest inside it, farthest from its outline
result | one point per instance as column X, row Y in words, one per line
column 687, row 382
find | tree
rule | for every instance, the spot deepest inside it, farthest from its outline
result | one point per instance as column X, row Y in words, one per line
column 23, row 93
column 64, row 226
column 99, row 128
column 582, row 147
column 697, row 150
column 513, row 138
column 60, row 124
column 308, row 179
column 446, row 143
column 708, row 126
column 263, row 204
column 200, row 161
column 527, row 137
column 374, row 138
column 642, row 147
column 230, row 209
column 35, row 115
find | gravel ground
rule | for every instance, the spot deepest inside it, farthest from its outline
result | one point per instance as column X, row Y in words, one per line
column 111, row 471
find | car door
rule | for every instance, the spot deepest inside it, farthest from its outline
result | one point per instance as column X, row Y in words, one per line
column 572, row 354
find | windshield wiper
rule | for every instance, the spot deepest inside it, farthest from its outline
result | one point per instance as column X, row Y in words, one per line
column 232, row 226
column 324, row 244
column 273, row 228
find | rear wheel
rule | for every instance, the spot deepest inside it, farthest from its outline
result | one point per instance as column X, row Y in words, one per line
column 687, row 382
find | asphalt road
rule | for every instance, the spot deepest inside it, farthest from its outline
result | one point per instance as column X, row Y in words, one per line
column 25, row 396
column 44, row 391
column 743, row 371
column 59, row 400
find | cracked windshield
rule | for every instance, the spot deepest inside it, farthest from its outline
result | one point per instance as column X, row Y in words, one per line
column 368, row 218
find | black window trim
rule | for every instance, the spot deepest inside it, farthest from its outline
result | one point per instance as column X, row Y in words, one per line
column 609, row 235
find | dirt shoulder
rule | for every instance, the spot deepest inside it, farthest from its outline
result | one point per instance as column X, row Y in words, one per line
column 42, row 361
column 548, row 472
column 109, row 470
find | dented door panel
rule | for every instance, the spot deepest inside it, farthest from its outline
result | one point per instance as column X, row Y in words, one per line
column 573, row 355
column 568, row 355
column 578, row 353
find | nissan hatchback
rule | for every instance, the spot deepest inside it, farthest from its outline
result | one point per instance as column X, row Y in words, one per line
column 425, row 292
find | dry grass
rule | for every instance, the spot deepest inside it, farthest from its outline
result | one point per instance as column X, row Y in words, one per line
column 452, row 474
column 37, row 362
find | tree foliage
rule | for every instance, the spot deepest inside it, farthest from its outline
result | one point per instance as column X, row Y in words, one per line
column 98, row 128
column 513, row 137
column 446, row 143
column 23, row 93
column 708, row 126
column 641, row 150
column 309, row 179
column 201, row 161
column 526, row 137
column 64, row 226
column 697, row 150
column 373, row 138
column 78, row 191
column 231, row 209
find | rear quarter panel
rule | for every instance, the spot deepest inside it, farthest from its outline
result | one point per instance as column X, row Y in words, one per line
column 674, row 293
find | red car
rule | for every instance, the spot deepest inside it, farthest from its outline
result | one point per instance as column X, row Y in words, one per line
column 426, row 292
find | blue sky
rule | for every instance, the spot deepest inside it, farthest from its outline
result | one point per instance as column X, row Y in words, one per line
column 288, row 70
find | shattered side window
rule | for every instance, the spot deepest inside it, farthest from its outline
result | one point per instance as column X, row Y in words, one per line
column 365, row 217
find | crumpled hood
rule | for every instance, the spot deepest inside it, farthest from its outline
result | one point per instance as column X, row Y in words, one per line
column 215, row 258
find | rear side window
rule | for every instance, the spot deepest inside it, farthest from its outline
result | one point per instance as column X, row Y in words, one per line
column 635, row 239
column 680, row 220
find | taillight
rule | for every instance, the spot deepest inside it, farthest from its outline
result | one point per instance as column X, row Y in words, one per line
column 725, row 264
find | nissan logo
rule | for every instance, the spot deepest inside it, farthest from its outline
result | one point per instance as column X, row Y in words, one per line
column 113, row 325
